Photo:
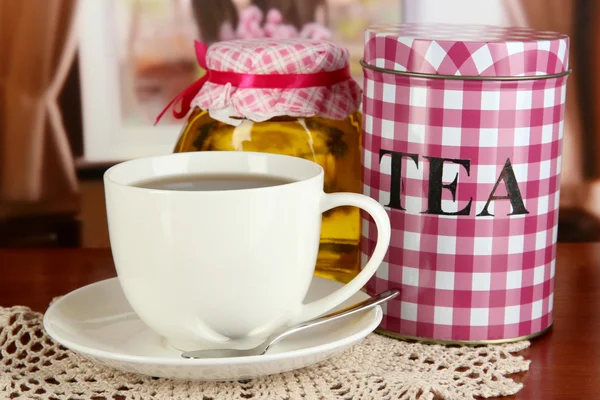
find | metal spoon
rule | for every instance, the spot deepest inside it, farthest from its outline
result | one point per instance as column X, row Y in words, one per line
column 286, row 331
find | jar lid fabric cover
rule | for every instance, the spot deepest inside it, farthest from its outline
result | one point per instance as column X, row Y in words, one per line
column 466, row 50
column 228, row 103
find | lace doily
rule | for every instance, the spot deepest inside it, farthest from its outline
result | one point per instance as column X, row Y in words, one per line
column 32, row 366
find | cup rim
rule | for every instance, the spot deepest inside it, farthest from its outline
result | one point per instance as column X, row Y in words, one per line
column 315, row 170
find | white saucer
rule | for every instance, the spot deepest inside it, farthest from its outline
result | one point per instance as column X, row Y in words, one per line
column 97, row 322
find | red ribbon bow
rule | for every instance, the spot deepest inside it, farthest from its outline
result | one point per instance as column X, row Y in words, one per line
column 190, row 92
column 256, row 81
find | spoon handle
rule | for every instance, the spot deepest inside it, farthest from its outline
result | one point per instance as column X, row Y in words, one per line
column 334, row 316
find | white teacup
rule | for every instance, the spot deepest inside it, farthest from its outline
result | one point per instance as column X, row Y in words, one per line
column 202, row 268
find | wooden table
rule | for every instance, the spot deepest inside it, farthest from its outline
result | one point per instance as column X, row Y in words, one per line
column 565, row 362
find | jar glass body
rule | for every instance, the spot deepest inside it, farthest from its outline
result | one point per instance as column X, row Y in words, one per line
column 334, row 144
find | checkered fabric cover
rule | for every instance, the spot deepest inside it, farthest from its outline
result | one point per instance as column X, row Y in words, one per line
column 270, row 56
column 465, row 277
column 467, row 50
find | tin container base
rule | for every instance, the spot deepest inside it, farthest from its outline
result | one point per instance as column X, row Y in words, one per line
column 461, row 342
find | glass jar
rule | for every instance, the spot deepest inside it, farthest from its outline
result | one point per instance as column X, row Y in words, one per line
column 292, row 97
column 334, row 144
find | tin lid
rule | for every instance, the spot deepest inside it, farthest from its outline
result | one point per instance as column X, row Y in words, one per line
column 466, row 50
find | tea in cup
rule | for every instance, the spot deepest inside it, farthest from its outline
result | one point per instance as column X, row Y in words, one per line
column 218, row 249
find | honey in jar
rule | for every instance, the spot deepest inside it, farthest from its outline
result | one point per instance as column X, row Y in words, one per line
column 293, row 97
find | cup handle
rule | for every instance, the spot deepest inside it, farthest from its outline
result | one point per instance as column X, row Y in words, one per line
column 382, row 221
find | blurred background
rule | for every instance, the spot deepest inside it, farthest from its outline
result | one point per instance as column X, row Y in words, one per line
column 81, row 82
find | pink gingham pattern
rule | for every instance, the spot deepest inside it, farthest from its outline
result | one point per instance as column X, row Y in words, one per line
column 466, row 50
column 465, row 277
column 270, row 56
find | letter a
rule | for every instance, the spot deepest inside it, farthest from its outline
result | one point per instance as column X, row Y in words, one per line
column 513, row 194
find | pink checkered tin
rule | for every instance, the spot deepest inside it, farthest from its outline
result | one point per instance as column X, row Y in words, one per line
column 462, row 141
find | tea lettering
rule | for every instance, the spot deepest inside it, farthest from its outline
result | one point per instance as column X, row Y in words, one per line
column 435, row 185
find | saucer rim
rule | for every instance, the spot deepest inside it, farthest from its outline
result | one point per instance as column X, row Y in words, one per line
column 376, row 318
